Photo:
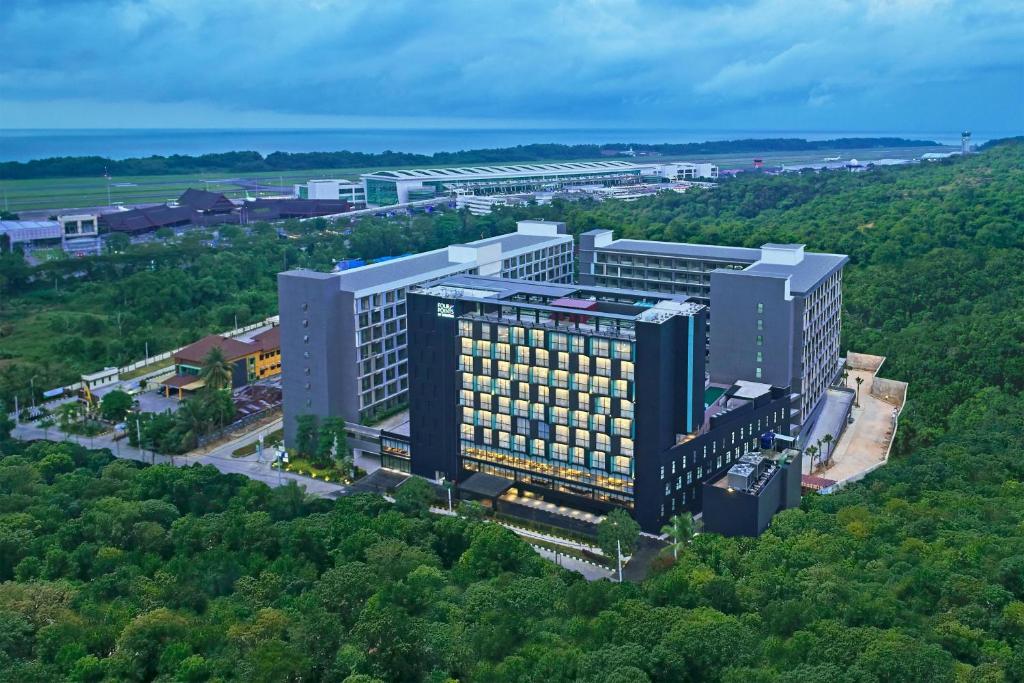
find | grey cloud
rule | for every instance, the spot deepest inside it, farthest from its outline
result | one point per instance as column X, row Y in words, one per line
column 582, row 62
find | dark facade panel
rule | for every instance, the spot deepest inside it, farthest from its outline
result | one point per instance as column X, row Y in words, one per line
column 433, row 394
column 312, row 319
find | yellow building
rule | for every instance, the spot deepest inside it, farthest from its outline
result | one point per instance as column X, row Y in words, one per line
column 251, row 360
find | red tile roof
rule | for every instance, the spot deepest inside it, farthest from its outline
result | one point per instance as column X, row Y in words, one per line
column 811, row 481
column 180, row 380
column 232, row 348
column 268, row 340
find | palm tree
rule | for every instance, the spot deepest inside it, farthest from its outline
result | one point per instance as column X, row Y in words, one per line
column 191, row 424
column 216, row 370
column 859, row 380
column 680, row 528
column 811, row 451
column 827, row 440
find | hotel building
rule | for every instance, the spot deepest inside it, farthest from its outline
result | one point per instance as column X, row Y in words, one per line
column 344, row 346
column 588, row 397
column 774, row 311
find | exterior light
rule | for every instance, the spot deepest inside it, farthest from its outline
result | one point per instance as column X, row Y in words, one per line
column 730, row 489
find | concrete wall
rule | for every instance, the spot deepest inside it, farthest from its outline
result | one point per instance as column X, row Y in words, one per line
column 864, row 361
column 319, row 371
column 734, row 316
column 889, row 390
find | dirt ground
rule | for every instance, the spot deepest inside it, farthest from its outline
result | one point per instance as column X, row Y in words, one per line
column 866, row 441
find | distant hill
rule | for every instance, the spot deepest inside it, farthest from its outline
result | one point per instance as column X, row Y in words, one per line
column 254, row 162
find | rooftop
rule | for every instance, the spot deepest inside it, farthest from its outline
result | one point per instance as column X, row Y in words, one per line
column 578, row 302
column 232, row 348
column 804, row 269
column 482, row 172
column 31, row 230
column 738, row 254
column 416, row 268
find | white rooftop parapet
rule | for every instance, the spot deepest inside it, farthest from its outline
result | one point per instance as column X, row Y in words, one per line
column 782, row 254
column 541, row 228
column 602, row 238
column 468, row 253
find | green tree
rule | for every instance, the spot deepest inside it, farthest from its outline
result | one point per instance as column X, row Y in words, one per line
column 616, row 530
column 69, row 414
column 812, row 452
column 216, row 371
column 332, row 444
column 115, row 405
column 680, row 530
column 827, row 440
column 306, row 435
column 117, row 242
column 414, row 496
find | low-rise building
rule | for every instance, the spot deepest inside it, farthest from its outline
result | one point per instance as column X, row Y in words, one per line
column 743, row 500
column 77, row 234
column 346, row 190
column 81, row 234
column 250, row 361
column 389, row 187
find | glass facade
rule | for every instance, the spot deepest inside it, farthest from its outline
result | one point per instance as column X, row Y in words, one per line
column 381, row 192
column 532, row 411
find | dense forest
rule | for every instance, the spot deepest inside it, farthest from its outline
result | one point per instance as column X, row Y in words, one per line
column 112, row 571
column 254, row 162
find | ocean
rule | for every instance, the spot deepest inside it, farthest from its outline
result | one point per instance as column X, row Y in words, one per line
column 24, row 145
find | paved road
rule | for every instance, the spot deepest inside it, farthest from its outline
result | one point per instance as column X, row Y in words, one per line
column 591, row 572
column 220, row 457
column 250, row 466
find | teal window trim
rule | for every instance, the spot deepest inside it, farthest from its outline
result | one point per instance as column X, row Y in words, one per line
column 689, row 375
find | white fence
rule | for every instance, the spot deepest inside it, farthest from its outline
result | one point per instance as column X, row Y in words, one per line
column 238, row 331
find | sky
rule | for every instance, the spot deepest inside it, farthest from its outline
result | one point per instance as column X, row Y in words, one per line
column 867, row 65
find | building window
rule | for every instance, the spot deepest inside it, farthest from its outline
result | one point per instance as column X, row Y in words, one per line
column 760, row 308
column 760, row 356
column 760, row 324
column 757, row 373
column 760, row 340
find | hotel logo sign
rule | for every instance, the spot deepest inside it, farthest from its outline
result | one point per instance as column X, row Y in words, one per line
column 445, row 310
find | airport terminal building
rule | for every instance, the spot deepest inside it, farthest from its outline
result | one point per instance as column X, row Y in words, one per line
column 386, row 188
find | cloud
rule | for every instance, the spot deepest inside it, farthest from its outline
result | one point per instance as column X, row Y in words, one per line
column 827, row 63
